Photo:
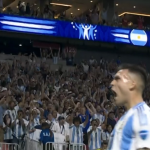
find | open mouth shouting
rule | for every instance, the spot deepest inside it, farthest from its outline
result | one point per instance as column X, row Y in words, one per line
column 114, row 94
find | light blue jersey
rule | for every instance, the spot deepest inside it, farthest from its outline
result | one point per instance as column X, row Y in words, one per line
column 76, row 133
column 94, row 139
column 132, row 131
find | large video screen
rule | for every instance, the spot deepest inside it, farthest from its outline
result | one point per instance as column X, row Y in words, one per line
column 75, row 30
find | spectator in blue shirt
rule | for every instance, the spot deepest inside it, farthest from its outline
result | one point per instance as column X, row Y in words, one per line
column 46, row 135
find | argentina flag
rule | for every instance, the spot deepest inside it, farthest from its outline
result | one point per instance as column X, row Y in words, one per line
column 138, row 37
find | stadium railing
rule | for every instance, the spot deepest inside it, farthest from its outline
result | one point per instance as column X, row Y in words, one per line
column 9, row 146
column 56, row 146
column 32, row 145
column 64, row 146
column 77, row 146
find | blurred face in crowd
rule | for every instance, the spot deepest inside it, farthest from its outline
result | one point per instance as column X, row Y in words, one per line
column 54, row 114
column 61, row 96
column 20, row 82
column 33, row 82
column 36, row 105
column 94, row 124
column 77, row 123
column 61, row 122
column 20, row 114
column 34, row 113
column 109, row 129
column 82, row 110
column 120, row 87
column 80, row 96
column 103, row 127
column 111, row 116
column 50, row 117
column 12, row 105
column 98, row 109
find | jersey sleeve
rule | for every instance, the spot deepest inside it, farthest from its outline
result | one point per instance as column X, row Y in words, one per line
column 142, row 129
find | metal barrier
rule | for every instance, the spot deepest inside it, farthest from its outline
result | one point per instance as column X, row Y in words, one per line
column 77, row 146
column 32, row 145
column 64, row 146
column 56, row 146
column 9, row 146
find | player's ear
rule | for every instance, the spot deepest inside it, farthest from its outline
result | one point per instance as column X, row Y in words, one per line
column 132, row 85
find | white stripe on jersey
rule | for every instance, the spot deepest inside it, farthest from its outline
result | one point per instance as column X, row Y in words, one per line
column 12, row 113
column 7, row 132
column 132, row 131
column 95, row 139
column 36, row 121
column 76, row 134
column 18, row 130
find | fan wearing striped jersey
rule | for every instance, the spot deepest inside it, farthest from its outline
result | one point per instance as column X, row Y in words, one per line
column 132, row 131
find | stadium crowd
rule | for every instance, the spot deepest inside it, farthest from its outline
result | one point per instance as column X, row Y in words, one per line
column 77, row 104
column 95, row 15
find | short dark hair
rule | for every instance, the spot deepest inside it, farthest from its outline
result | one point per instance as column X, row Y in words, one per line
column 76, row 119
column 45, row 125
column 94, row 120
column 136, row 69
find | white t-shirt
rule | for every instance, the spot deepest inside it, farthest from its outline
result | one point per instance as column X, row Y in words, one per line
column 62, row 129
column 52, row 125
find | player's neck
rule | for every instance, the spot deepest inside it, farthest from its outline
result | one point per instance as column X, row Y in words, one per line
column 134, row 100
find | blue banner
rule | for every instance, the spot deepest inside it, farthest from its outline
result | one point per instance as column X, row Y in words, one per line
column 75, row 30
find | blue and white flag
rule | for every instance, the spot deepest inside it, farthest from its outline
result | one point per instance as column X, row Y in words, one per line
column 138, row 37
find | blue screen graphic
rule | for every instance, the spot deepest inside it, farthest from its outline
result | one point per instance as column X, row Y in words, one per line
column 75, row 30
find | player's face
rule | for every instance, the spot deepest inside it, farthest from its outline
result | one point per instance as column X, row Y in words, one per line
column 120, row 87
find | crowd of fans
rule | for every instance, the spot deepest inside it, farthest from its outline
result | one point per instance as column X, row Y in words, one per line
column 77, row 104
column 96, row 15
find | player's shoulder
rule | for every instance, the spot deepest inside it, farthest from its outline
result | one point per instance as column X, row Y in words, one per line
column 141, row 108
column 142, row 113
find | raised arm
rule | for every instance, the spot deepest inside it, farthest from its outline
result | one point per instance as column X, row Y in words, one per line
column 76, row 25
column 89, row 27
column 86, row 120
